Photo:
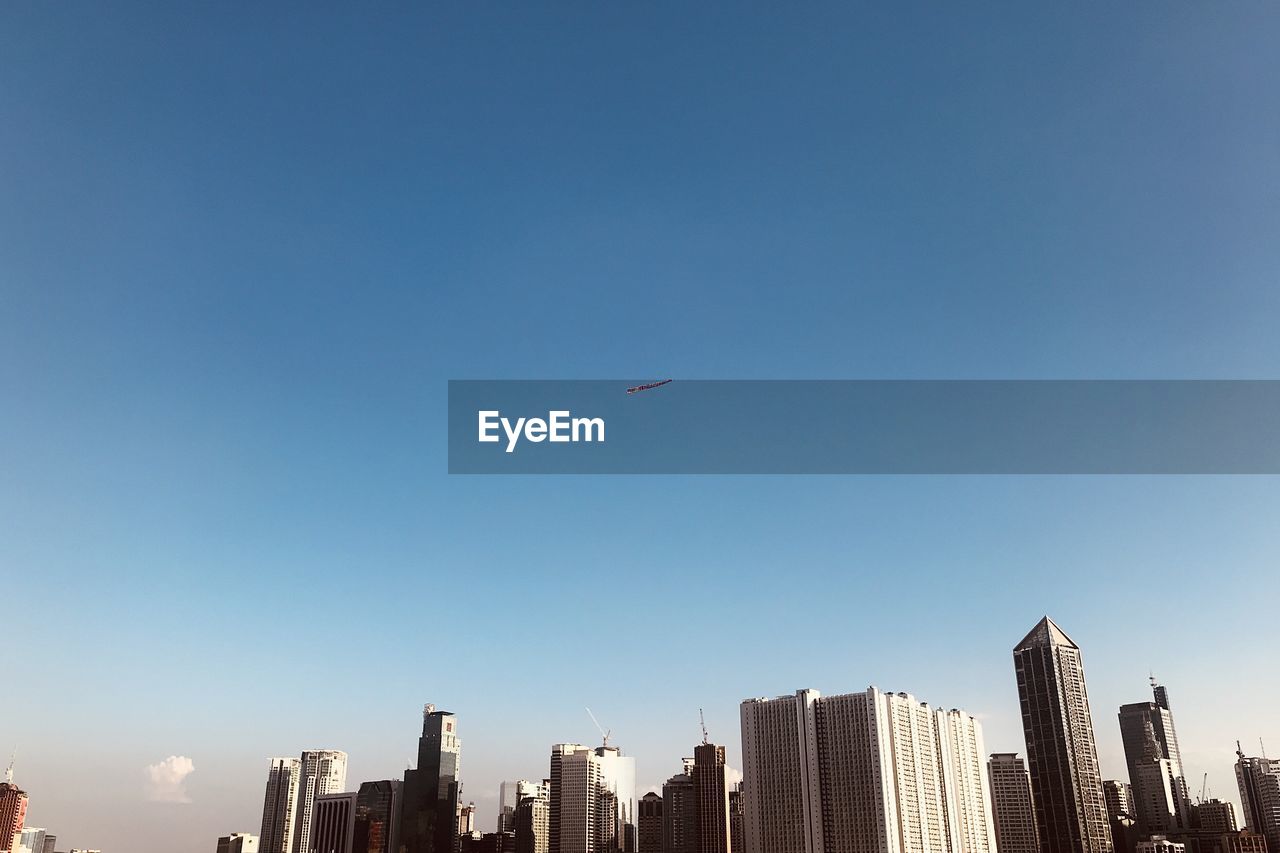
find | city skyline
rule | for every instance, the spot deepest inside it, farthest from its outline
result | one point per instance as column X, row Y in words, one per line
column 243, row 250
column 288, row 774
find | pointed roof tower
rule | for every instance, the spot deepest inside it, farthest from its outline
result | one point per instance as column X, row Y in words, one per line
column 1045, row 634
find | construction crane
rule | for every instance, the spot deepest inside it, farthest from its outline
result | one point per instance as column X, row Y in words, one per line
column 702, row 720
column 604, row 735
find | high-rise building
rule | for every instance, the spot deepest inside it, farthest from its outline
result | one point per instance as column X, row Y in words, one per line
column 1259, row 781
column 324, row 771
column 711, row 788
column 679, row 814
column 593, row 802
column 429, row 815
column 1155, row 765
column 736, row 842
column 280, row 805
column 377, row 813
column 1066, row 785
column 511, row 793
column 533, row 821
column 467, row 819
column 1213, row 816
column 861, row 772
column 31, row 840
column 238, row 842
column 50, row 843
column 333, row 823
column 1118, row 797
column 558, row 753
column 1014, row 815
column 649, row 824
column 13, row 812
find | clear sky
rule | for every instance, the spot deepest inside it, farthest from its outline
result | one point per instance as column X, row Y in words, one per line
column 243, row 248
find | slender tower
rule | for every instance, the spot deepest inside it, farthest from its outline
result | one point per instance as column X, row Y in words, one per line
column 429, row 817
column 324, row 771
column 1066, row 785
column 279, row 806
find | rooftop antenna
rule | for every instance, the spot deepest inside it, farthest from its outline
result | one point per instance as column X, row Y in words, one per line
column 702, row 720
column 604, row 735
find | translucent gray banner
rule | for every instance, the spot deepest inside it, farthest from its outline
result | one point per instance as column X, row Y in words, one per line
column 865, row 427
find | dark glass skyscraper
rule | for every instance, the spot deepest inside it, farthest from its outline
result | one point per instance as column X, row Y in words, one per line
column 1066, row 785
column 377, row 813
column 429, row 811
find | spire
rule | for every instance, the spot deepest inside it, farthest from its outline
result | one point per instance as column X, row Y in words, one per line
column 1045, row 634
column 8, row 773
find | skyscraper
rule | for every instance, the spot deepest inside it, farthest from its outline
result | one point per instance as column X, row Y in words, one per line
column 1259, row 781
column 377, row 813
column 511, row 793
column 324, row 771
column 1155, row 765
column 333, row 823
column 593, row 802
column 1118, row 796
column 558, row 753
column 860, row 772
column 31, row 840
column 711, row 789
column 736, row 842
column 533, row 822
column 429, row 816
column 1014, row 815
column 13, row 812
column 649, row 824
column 279, row 807
column 1066, row 785
column 679, row 814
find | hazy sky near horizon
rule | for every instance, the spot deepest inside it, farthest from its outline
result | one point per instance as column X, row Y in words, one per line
column 242, row 249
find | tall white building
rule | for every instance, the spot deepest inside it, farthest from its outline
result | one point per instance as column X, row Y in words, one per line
column 511, row 793
column 280, row 805
column 324, row 771
column 594, row 791
column 31, row 840
column 869, row 772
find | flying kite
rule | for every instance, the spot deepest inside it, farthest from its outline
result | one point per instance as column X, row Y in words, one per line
column 639, row 388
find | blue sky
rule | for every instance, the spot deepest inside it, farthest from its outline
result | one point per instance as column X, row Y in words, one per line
column 243, row 249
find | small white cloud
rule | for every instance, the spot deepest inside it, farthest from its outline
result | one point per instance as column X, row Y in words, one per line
column 167, row 780
column 732, row 775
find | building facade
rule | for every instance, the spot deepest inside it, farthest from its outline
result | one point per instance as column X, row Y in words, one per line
column 592, row 799
column 323, row 771
column 429, row 814
column 279, row 807
column 649, row 823
column 711, row 792
column 238, row 842
column 377, row 816
column 1062, row 759
column 13, row 812
column 679, row 814
column 333, row 823
column 1160, row 800
column 1259, row 783
column 869, row 772
column 1012, row 812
